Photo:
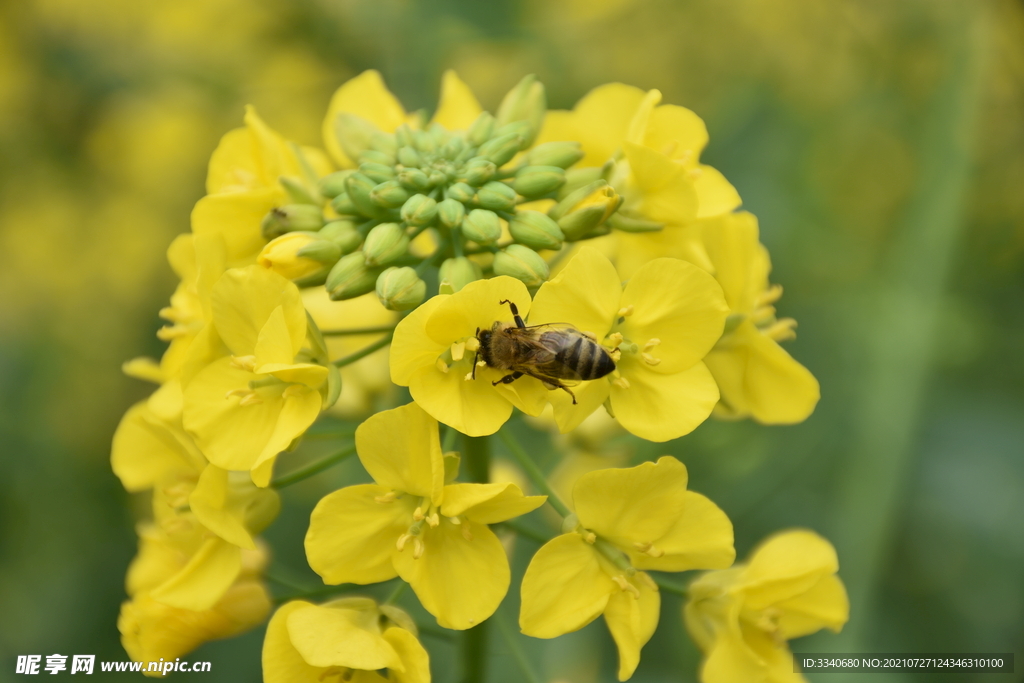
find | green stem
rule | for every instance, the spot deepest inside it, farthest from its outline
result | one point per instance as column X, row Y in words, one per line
column 521, row 529
column 533, row 472
column 309, row 595
column 434, row 632
column 397, row 593
column 269, row 576
column 358, row 330
column 363, row 353
column 516, row 648
column 474, row 654
column 449, row 440
column 312, row 468
column 477, row 458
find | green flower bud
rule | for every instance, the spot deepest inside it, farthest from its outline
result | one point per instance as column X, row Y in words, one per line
column 291, row 217
column 332, row 391
column 478, row 171
column 424, row 141
column 501, row 149
column 631, row 224
column 534, row 181
column 285, row 255
column 436, row 177
column 378, row 173
column 525, row 102
column 482, row 226
column 576, row 178
column 400, row 289
column 385, row 243
column 321, row 250
column 350, row 278
column 522, row 263
column 333, row 184
column 343, row 205
column 389, row 195
column 560, row 154
column 419, row 210
column 571, row 200
column 344, row 234
column 358, row 187
column 536, row 230
column 414, row 179
column 409, row 157
column 459, row 272
column 520, row 128
column 356, row 135
column 460, row 192
column 299, row 193
column 453, row 147
column 496, row 196
column 480, row 131
column 588, row 212
column 372, row 156
column 450, row 213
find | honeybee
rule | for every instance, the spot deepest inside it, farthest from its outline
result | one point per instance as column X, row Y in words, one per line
column 559, row 355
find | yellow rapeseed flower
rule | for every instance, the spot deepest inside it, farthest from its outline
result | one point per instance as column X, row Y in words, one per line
column 351, row 640
column 742, row 617
column 411, row 523
column 629, row 520
column 755, row 375
column 660, row 326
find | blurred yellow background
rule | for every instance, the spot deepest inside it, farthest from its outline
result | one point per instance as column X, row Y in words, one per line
column 880, row 143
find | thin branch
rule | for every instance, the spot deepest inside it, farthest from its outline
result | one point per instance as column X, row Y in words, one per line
column 312, row 468
column 363, row 353
column 517, row 650
column 358, row 330
column 533, row 472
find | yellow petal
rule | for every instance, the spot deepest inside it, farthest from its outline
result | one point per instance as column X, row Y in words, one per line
column 365, row 96
column 786, row 565
column 526, row 393
column 232, row 165
column 665, row 191
column 632, row 621
column 273, row 343
column 758, row 377
column 334, row 636
column 298, row 410
column 700, row 538
column 221, row 502
column 589, row 397
column 146, row 450
column 243, row 301
column 411, row 348
column 460, row 581
column 488, row 503
column 401, row 450
column 477, row 305
column 310, row 374
column 676, row 132
column 715, row 194
column 680, row 305
column 637, row 130
column 824, row 605
column 730, row 660
column 235, row 217
column 413, row 656
column 204, row 580
column 564, row 588
column 632, row 505
column 471, row 406
column 732, row 244
column 586, row 294
column 660, row 407
column 685, row 242
column 458, row 107
column 599, row 121
column 351, row 535
column 282, row 663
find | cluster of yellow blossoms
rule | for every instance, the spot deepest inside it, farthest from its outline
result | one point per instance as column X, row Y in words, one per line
column 305, row 289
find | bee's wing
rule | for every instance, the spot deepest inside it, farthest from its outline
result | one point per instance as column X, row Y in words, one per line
column 545, row 342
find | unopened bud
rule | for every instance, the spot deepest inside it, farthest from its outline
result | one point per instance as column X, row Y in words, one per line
column 403, row 136
column 496, row 196
column 478, row 171
column 588, row 212
column 575, row 178
column 389, row 195
column 480, row 131
column 419, row 210
column 343, row 206
column 385, row 243
column 373, row 156
column 453, row 147
column 378, row 173
column 359, row 187
column 320, row 250
column 291, row 217
column 525, row 102
column 460, row 192
column 409, row 157
column 400, row 289
column 333, row 184
column 535, row 230
column 356, row 135
column 459, row 272
column 522, row 263
column 343, row 233
column 436, row 177
column 424, row 141
column 618, row 221
column 350, row 278
column 414, row 179
column 482, row 226
column 450, row 213
column 299, row 193
column 283, row 255
column 560, row 154
column 535, row 181
column 501, row 149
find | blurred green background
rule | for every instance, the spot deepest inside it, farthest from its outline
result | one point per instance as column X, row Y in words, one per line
column 880, row 143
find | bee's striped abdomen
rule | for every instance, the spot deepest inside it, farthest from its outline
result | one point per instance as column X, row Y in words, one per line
column 586, row 358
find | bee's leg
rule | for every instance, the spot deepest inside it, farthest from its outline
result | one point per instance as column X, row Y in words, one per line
column 568, row 391
column 508, row 379
column 515, row 313
column 475, row 355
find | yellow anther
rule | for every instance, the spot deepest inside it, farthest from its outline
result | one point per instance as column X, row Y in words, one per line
column 781, row 330
column 417, row 514
column 768, row 296
column 388, row 497
column 649, row 359
column 467, row 533
column 441, row 365
column 469, row 376
column 238, row 392
column 433, row 519
column 626, row 311
column 651, row 343
column 402, row 540
column 616, row 355
column 293, row 391
column 648, row 549
column 247, row 363
column 472, row 344
column 588, row 334
column 481, row 364
column 458, row 351
column 455, row 520
column 417, row 548
column 250, row 400
column 589, row 536
column 614, row 339
column 621, row 382
column 623, row 583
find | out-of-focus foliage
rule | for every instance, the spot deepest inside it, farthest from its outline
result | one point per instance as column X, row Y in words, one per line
column 880, row 144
